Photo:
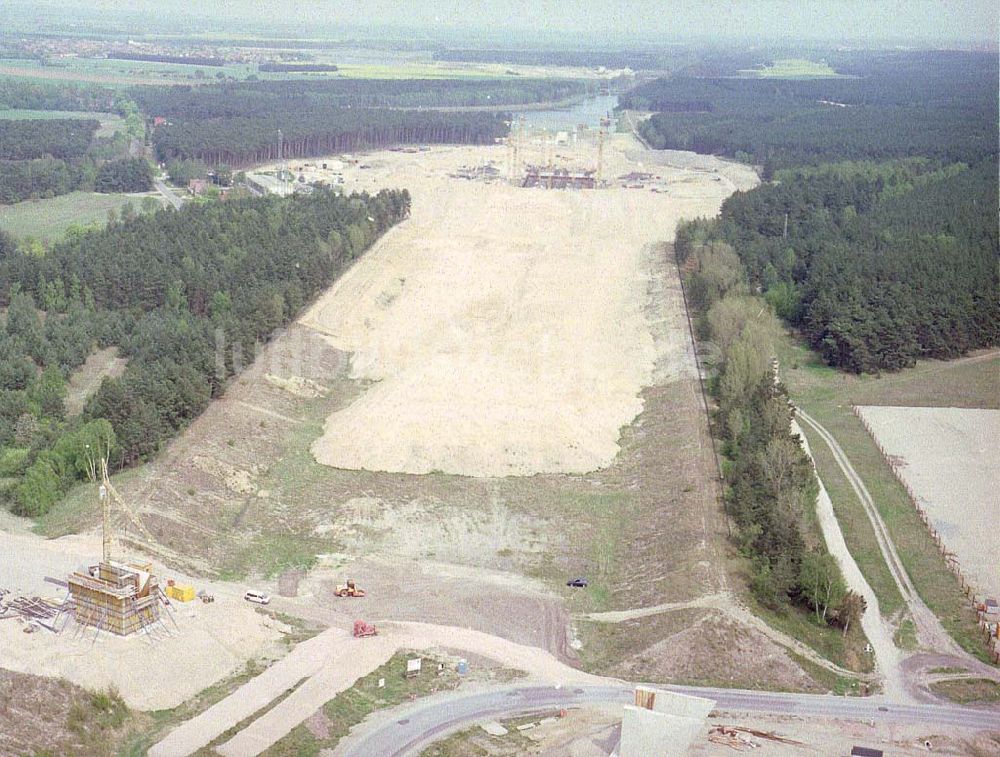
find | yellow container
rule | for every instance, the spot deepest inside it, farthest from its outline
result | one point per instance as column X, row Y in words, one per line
column 181, row 593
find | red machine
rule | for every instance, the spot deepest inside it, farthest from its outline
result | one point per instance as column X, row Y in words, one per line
column 364, row 629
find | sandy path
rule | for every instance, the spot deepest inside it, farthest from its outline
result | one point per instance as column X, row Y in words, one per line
column 333, row 661
column 930, row 632
column 728, row 604
column 947, row 456
column 876, row 628
column 505, row 328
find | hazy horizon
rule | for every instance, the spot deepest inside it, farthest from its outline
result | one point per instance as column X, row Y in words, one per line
column 850, row 22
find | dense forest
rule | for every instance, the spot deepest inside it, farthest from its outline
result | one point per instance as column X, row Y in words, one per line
column 880, row 264
column 242, row 141
column 42, row 158
column 38, row 95
column 937, row 105
column 24, row 139
column 237, row 123
column 877, row 238
column 193, row 280
column 770, row 485
column 124, row 175
column 252, row 99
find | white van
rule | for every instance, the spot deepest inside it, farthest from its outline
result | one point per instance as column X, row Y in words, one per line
column 257, row 596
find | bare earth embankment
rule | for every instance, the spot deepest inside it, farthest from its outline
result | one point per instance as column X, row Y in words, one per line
column 947, row 456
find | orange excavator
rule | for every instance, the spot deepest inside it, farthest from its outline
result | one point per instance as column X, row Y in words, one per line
column 349, row 590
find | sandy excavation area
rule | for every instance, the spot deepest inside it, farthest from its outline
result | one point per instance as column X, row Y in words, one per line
column 948, row 457
column 505, row 331
column 202, row 644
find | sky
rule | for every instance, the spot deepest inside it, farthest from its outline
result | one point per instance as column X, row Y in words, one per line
column 584, row 21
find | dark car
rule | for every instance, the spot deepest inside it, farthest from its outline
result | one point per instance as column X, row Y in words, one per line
column 578, row 583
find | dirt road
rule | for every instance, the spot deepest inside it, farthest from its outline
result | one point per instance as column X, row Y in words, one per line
column 876, row 627
column 930, row 632
column 332, row 662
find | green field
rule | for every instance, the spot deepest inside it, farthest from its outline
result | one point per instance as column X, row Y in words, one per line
column 126, row 72
column 828, row 396
column 793, row 68
column 49, row 219
column 110, row 122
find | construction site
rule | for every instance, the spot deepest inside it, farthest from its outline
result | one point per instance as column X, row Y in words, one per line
column 451, row 417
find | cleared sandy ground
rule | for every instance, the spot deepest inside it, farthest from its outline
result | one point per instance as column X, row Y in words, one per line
column 506, row 330
column 948, row 457
column 208, row 642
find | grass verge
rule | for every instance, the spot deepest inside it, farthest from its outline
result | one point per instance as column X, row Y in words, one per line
column 335, row 718
column 968, row 690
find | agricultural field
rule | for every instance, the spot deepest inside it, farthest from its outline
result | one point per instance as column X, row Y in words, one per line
column 947, row 456
column 49, row 219
column 793, row 68
column 132, row 72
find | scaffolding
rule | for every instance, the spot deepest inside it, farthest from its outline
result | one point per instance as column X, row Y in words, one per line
column 117, row 597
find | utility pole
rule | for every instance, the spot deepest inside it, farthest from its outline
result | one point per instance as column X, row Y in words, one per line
column 600, row 151
column 784, row 234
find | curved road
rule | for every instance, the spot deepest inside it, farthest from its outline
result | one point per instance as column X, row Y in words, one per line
column 408, row 730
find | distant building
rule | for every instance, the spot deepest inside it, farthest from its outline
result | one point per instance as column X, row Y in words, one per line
column 197, row 186
column 263, row 184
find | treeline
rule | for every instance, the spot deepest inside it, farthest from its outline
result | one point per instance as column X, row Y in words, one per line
column 255, row 99
column 24, row 139
column 294, row 67
column 636, row 59
column 880, row 264
column 244, row 141
column 198, row 289
column 770, row 486
column 36, row 95
column 124, row 175
column 49, row 177
column 941, row 106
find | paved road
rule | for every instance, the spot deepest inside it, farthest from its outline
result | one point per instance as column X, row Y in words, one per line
column 406, row 731
column 168, row 193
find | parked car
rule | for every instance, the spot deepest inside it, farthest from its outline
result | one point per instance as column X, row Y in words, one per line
column 577, row 583
column 258, row 597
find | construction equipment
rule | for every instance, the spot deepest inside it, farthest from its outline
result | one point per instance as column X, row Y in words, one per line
column 364, row 629
column 113, row 596
column 205, row 597
column 349, row 590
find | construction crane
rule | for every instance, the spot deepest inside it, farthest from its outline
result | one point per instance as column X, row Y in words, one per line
column 98, row 466
column 605, row 123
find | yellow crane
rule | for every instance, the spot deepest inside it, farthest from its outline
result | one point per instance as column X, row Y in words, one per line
column 106, row 492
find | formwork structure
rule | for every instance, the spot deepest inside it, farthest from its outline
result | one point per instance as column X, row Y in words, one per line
column 112, row 596
column 558, row 178
column 115, row 597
